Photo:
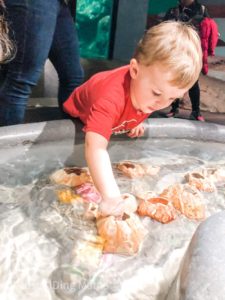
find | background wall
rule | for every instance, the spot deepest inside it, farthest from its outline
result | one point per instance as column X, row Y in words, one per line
column 129, row 27
column 156, row 7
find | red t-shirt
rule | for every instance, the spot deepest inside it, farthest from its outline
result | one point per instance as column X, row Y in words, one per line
column 104, row 105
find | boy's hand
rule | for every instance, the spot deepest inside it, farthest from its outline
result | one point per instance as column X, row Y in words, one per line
column 117, row 206
column 137, row 131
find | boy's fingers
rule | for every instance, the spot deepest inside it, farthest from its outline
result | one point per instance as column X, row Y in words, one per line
column 142, row 131
column 131, row 133
column 136, row 132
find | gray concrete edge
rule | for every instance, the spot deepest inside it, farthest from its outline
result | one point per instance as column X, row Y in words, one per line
column 66, row 129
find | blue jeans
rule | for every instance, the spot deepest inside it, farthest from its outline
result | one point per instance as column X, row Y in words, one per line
column 41, row 29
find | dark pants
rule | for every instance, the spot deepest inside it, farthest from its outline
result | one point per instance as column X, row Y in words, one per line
column 42, row 29
column 194, row 94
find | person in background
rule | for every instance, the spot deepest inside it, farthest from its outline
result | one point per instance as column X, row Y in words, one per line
column 190, row 12
column 41, row 29
column 164, row 67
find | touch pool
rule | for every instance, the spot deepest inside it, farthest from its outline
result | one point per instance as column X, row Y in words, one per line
column 43, row 242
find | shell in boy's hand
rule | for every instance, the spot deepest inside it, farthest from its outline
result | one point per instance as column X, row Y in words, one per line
column 72, row 177
column 117, row 206
column 122, row 235
column 133, row 170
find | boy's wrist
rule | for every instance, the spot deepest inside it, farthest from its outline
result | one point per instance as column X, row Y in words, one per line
column 116, row 197
column 117, row 206
column 111, row 193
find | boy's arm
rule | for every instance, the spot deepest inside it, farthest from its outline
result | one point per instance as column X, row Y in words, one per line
column 113, row 203
column 100, row 166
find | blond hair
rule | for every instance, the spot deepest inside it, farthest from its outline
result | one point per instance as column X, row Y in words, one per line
column 175, row 45
column 7, row 47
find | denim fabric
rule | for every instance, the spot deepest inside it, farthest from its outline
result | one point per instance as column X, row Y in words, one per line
column 41, row 29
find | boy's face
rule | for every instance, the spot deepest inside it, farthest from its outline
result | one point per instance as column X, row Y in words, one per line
column 150, row 88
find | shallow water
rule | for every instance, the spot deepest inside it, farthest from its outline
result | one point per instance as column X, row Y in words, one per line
column 40, row 238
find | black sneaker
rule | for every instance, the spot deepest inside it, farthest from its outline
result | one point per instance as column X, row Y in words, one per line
column 196, row 116
column 172, row 113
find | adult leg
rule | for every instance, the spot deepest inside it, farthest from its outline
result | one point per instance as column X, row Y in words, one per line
column 32, row 26
column 174, row 109
column 194, row 94
column 65, row 55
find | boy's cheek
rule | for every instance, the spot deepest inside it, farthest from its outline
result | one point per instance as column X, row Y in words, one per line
column 163, row 105
column 170, row 102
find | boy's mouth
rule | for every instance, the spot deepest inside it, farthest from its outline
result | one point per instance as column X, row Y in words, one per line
column 148, row 110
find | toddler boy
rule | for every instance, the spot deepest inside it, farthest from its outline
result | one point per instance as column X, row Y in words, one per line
column 166, row 63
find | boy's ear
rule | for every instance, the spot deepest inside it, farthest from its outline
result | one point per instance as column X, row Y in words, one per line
column 134, row 68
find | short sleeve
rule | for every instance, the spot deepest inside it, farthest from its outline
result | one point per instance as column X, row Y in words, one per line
column 102, row 117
